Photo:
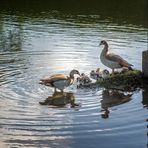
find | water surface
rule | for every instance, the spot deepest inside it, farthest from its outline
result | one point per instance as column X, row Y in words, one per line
column 38, row 45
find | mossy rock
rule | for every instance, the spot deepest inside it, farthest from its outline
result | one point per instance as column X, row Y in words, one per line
column 127, row 80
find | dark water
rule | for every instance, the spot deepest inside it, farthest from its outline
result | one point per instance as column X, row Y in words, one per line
column 36, row 45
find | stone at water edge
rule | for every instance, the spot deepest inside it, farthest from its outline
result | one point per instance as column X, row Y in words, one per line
column 126, row 80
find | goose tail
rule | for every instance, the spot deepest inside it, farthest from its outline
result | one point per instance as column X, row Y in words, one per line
column 44, row 82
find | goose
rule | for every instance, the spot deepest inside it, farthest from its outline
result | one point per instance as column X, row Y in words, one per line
column 99, row 74
column 102, row 73
column 60, row 81
column 112, row 60
column 83, row 80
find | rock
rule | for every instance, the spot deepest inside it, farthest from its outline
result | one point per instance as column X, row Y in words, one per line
column 125, row 80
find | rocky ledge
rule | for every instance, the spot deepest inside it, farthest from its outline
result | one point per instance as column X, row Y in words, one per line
column 126, row 80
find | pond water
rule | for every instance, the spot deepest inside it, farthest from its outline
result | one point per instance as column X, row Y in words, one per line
column 34, row 46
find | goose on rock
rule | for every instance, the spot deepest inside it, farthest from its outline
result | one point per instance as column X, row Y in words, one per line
column 60, row 81
column 112, row 60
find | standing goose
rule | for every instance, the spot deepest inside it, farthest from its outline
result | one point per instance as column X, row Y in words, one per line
column 112, row 60
column 60, row 81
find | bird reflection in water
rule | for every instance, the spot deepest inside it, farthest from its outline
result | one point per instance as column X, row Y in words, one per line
column 112, row 98
column 61, row 99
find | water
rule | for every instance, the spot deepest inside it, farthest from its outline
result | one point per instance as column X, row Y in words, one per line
column 34, row 46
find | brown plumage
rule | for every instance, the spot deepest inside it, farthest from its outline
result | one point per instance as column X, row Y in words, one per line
column 59, row 81
column 112, row 60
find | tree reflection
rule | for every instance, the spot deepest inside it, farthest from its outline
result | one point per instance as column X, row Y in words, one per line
column 112, row 98
column 11, row 36
column 119, row 11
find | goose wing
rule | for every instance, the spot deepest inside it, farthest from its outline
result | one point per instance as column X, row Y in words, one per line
column 58, row 75
column 116, row 58
column 49, row 81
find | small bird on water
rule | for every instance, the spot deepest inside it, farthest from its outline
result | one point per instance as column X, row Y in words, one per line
column 112, row 60
column 60, row 81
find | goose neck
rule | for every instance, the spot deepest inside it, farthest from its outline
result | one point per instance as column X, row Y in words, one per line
column 104, row 51
column 71, row 76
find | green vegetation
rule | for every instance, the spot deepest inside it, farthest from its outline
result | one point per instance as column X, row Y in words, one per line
column 126, row 80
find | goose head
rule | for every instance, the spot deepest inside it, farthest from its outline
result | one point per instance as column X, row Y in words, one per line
column 103, row 42
column 74, row 72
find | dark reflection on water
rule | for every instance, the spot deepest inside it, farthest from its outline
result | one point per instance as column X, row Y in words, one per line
column 120, row 11
column 38, row 44
column 60, row 99
column 113, row 98
column 145, row 97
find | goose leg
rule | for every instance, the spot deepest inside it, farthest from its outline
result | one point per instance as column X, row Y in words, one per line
column 113, row 71
column 55, row 90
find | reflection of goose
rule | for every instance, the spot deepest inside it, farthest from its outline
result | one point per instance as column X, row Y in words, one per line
column 60, row 99
column 60, row 81
column 112, row 60
column 113, row 98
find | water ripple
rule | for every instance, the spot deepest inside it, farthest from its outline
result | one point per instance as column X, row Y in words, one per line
column 55, row 45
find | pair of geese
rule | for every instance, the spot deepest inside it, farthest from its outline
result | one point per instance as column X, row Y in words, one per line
column 111, row 60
